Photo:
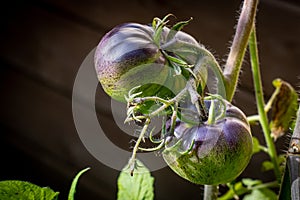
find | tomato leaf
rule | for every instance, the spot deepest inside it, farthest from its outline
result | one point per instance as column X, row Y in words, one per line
column 136, row 187
column 256, row 145
column 234, row 191
column 250, row 182
column 282, row 162
column 15, row 190
column 74, row 183
column 261, row 194
column 267, row 165
column 284, row 108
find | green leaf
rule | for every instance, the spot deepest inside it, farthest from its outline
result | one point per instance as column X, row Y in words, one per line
column 74, row 183
column 261, row 194
column 250, row 182
column 136, row 187
column 282, row 159
column 234, row 191
column 267, row 165
column 16, row 190
column 284, row 108
column 256, row 145
column 282, row 162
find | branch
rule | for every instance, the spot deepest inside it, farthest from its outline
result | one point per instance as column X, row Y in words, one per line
column 260, row 102
column 239, row 46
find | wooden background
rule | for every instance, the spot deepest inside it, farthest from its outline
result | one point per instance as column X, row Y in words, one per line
column 42, row 45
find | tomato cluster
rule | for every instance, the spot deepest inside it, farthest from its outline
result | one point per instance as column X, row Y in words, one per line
column 162, row 62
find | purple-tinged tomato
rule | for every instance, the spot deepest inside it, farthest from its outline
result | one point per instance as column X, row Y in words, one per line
column 127, row 56
column 211, row 153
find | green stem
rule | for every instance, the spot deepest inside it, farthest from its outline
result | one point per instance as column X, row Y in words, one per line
column 211, row 192
column 211, row 116
column 273, row 184
column 235, row 58
column 238, row 48
column 268, row 106
column 260, row 102
column 132, row 160
column 238, row 189
column 177, row 98
column 253, row 119
column 264, row 149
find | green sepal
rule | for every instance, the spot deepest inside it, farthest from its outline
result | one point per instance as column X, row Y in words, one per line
column 177, row 27
column 158, row 25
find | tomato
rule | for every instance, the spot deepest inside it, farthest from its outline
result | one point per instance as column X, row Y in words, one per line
column 211, row 153
column 128, row 56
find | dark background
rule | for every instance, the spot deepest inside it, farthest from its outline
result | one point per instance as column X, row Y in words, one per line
column 42, row 45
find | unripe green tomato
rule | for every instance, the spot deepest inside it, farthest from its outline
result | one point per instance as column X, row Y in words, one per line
column 211, row 154
column 127, row 56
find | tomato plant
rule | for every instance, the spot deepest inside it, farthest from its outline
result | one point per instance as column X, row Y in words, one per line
column 162, row 71
column 215, row 146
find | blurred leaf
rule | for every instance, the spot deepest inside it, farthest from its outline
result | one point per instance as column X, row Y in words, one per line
column 261, row 194
column 282, row 158
column 284, row 108
column 136, row 187
column 16, row 190
column 236, row 190
column 256, row 145
column 250, row 182
column 267, row 165
column 282, row 162
column 74, row 183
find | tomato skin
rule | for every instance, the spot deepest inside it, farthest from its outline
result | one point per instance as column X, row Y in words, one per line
column 211, row 154
column 127, row 56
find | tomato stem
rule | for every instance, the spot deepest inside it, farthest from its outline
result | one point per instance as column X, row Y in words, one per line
column 234, row 61
column 212, row 114
column 261, row 104
column 238, row 48
column 211, row 192
column 132, row 160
